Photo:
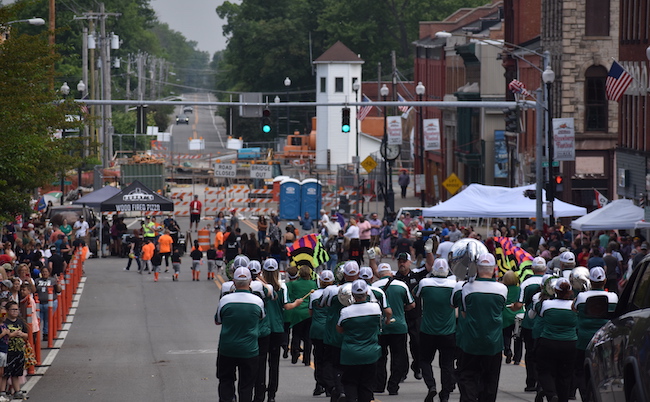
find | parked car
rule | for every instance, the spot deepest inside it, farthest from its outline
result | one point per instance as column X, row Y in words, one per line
column 415, row 213
column 617, row 360
column 57, row 213
column 182, row 119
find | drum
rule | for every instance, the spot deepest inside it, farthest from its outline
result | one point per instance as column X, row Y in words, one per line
column 519, row 318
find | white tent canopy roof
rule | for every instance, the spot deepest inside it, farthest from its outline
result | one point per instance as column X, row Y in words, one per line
column 618, row 214
column 481, row 201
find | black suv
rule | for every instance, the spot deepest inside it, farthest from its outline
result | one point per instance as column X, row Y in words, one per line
column 617, row 360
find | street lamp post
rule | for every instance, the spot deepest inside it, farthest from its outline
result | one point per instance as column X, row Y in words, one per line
column 388, row 186
column 419, row 90
column 548, row 76
column 287, row 84
column 65, row 91
column 81, row 88
column 355, row 87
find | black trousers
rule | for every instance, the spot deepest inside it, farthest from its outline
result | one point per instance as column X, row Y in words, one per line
column 332, row 370
column 227, row 368
column 399, row 364
column 531, row 366
column 275, row 342
column 555, row 364
column 357, row 382
column 404, row 191
column 507, row 343
column 300, row 333
column 166, row 256
column 478, row 377
column 319, row 356
column 260, row 383
column 445, row 345
column 414, row 323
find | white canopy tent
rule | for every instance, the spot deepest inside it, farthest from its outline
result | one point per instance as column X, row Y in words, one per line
column 481, row 201
column 618, row 214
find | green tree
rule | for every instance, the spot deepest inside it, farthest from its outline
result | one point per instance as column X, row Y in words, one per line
column 30, row 116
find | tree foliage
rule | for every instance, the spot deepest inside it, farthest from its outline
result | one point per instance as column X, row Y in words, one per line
column 30, row 114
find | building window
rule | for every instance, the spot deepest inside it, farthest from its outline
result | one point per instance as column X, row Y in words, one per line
column 595, row 99
column 597, row 17
column 323, row 86
column 339, row 84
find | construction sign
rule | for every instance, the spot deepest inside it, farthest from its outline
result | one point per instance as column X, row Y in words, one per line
column 452, row 183
column 369, row 164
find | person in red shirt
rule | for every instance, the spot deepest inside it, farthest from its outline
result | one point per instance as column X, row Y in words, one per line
column 195, row 213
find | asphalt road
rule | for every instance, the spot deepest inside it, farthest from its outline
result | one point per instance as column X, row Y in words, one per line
column 136, row 339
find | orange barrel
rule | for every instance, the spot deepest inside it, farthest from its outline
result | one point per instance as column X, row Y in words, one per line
column 204, row 240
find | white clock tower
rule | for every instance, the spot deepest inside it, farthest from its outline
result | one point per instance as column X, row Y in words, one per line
column 336, row 71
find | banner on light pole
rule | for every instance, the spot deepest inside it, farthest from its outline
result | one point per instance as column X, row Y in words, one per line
column 431, row 134
column 564, row 139
column 394, row 130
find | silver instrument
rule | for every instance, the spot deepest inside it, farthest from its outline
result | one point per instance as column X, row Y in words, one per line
column 345, row 294
column 548, row 287
column 579, row 279
column 519, row 318
column 463, row 257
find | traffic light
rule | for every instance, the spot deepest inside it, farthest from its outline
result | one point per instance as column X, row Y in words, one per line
column 511, row 116
column 266, row 120
column 558, row 183
column 141, row 119
column 345, row 120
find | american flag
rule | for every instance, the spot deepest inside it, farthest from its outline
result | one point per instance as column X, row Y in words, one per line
column 518, row 87
column 617, row 82
column 402, row 109
column 84, row 107
column 364, row 110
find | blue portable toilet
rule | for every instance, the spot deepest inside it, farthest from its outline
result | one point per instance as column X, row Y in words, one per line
column 311, row 198
column 290, row 196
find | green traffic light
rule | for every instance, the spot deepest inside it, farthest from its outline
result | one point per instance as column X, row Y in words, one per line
column 345, row 128
column 266, row 128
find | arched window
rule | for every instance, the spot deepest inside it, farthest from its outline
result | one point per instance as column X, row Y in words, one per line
column 595, row 99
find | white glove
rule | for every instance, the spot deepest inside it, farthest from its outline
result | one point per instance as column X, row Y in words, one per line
column 371, row 253
column 428, row 246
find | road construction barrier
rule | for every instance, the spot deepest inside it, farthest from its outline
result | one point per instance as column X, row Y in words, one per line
column 204, row 240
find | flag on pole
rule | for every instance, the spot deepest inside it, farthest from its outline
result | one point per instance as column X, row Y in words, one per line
column 307, row 250
column 364, row 110
column 518, row 87
column 601, row 200
column 617, row 82
column 84, row 107
column 402, row 109
column 512, row 258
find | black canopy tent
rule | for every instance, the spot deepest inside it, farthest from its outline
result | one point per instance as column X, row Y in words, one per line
column 136, row 197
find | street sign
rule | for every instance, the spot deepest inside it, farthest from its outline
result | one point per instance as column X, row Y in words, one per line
column 225, row 170
column 66, row 182
column 261, row 172
column 555, row 164
column 452, row 183
column 369, row 164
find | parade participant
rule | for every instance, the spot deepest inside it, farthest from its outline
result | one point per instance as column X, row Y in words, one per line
column 147, row 252
column 176, row 263
column 567, row 263
column 360, row 324
column 332, row 339
column 275, row 309
column 197, row 260
column 511, row 280
column 300, row 318
column 166, row 241
column 437, row 330
column 479, row 364
column 156, row 262
column 211, row 256
column 394, row 335
column 590, row 320
column 375, row 294
column 318, row 317
column 135, row 248
column 412, row 277
column 195, row 212
column 556, row 349
column 239, row 314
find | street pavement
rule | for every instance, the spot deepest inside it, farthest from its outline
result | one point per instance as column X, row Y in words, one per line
column 136, row 339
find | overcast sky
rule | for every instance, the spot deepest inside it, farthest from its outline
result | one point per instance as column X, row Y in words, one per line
column 197, row 20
